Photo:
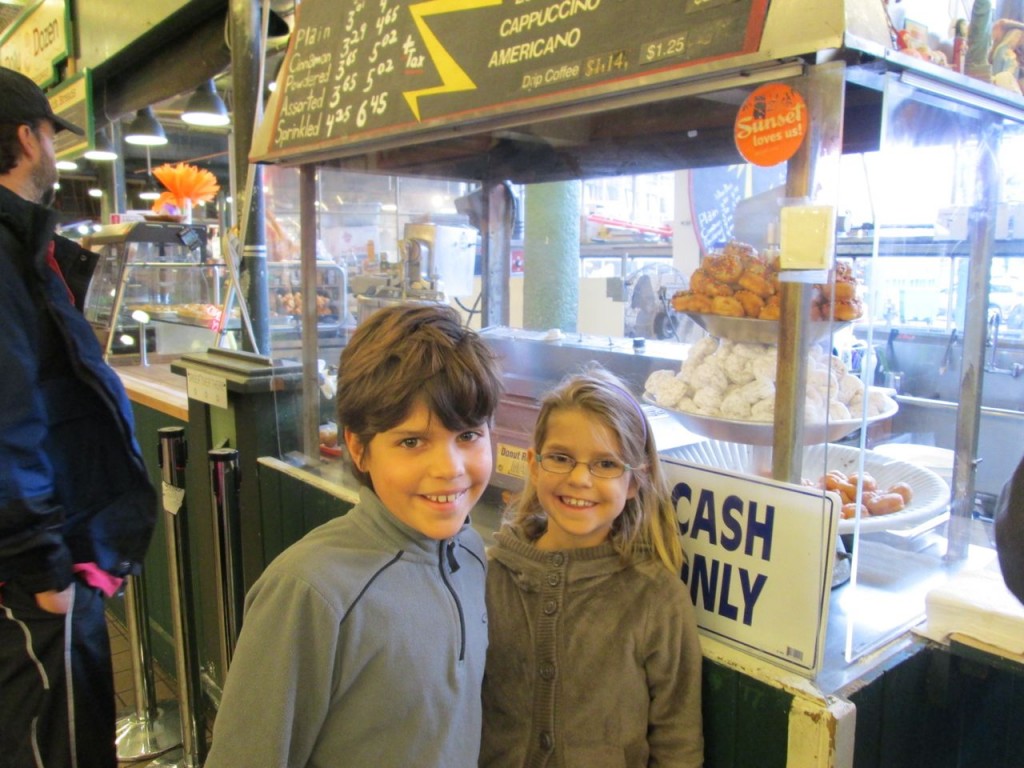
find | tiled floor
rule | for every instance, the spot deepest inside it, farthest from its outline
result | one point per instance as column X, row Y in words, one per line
column 124, row 680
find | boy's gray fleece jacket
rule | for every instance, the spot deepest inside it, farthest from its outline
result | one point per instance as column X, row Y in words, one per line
column 363, row 645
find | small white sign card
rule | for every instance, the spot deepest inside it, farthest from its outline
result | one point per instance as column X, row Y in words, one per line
column 760, row 554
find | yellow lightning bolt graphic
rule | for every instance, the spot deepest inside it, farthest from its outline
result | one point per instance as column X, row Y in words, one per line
column 453, row 78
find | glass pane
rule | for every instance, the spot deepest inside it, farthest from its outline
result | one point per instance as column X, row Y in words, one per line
column 915, row 211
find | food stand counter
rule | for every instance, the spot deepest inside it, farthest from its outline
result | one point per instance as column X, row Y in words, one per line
column 853, row 687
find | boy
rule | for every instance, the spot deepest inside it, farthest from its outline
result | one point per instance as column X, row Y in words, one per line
column 364, row 643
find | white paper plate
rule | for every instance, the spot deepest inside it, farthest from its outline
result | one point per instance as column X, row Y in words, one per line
column 931, row 493
column 762, row 432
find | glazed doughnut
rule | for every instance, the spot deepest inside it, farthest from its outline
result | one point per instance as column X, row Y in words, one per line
column 756, row 283
column 850, row 510
column 702, row 282
column 740, row 249
column 772, row 309
column 752, row 303
column 844, row 272
column 883, row 503
column 870, row 484
column 753, row 261
column 838, row 482
column 847, row 310
column 904, row 490
column 757, row 267
column 691, row 302
column 728, row 306
column 841, row 291
column 725, row 268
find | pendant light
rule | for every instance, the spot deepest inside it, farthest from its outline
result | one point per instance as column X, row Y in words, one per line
column 102, row 150
column 145, row 130
column 205, row 107
column 152, row 190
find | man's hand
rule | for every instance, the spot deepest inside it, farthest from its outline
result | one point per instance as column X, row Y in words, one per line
column 52, row 601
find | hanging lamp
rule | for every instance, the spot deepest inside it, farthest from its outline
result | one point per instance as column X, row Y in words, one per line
column 102, row 150
column 205, row 107
column 145, row 130
column 152, row 190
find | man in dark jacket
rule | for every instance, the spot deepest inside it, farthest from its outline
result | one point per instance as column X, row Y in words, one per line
column 1010, row 532
column 76, row 505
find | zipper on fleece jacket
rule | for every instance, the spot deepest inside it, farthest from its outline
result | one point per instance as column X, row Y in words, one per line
column 446, row 553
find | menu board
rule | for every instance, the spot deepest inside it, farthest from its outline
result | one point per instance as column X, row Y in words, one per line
column 716, row 191
column 367, row 69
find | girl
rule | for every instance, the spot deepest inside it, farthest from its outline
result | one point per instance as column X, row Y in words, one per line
column 594, row 658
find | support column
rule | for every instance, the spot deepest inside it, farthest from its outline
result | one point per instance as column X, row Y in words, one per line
column 245, row 65
column 552, row 255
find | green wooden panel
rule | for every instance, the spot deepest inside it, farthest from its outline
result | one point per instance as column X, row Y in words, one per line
column 292, row 512
column 291, row 508
column 762, row 716
column 936, row 709
column 719, row 710
column 1013, row 738
column 936, row 741
column 320, row 507
column 270, row 482
column 868, row 737
column 155, row 577
column 984, row 716
column 746, row 721
column 902, row 723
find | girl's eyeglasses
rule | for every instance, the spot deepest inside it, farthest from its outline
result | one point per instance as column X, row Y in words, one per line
column 561, row 464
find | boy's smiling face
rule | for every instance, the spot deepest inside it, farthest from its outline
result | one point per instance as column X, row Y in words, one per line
column 428, row 476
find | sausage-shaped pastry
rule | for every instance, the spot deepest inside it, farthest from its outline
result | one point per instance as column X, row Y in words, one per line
column 884, row 503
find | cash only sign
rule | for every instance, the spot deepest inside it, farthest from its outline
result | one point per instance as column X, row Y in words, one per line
column 760, row 556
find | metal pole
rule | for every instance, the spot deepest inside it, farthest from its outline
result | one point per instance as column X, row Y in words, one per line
column 310, row 345
column 246, row 56
column 151, row 729
column 173, row 458
column 224, row 484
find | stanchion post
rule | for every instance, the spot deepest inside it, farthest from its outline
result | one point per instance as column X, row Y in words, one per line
column 173, row 458
column 152, row 728
column 224, row 485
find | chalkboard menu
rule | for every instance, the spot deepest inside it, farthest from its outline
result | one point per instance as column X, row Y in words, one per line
column 358, row 71
column 715, row 192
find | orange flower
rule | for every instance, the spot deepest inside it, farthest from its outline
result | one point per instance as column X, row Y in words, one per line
column 184, row 182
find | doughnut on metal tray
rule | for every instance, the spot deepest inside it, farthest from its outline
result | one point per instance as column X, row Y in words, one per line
column 754, row 331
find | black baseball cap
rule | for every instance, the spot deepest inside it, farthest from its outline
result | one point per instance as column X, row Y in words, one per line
column 22, row 101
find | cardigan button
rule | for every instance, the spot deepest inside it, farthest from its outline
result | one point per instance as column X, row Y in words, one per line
column 550, row 608
column 547, row 671
column 546, row 742
column 554, row 579
column 558, row 559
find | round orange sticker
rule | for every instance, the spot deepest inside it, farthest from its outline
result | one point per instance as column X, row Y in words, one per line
column 771, row 124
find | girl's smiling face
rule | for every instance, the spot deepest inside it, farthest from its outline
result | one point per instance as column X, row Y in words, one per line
column 428, row 476
column 580, row 508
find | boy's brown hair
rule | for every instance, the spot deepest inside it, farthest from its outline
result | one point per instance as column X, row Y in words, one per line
column 409, row 352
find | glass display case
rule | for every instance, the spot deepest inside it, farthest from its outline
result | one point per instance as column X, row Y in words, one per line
column 156, row 281
column 334, row 320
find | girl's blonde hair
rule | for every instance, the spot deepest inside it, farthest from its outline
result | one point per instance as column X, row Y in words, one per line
column 648, row 522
